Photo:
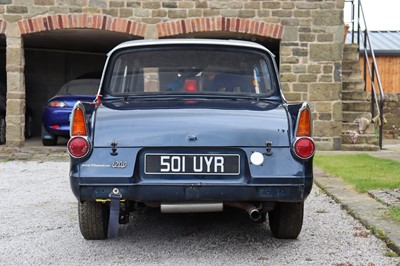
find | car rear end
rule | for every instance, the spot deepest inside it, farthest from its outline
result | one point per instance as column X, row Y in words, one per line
column 191, row 135
column 57, row 111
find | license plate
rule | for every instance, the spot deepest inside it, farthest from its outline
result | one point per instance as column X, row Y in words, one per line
column 192, row 164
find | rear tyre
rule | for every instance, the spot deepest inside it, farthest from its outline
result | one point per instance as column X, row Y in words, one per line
column 2, row 130
column 93, row 220
column 286, row 220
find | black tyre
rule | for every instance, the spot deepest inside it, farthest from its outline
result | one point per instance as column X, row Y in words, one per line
column 93, row 220
column 286, row 220
column 2, row 130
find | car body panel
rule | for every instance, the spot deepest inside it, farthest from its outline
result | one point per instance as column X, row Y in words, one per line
column 97, row 177
column 211, row 126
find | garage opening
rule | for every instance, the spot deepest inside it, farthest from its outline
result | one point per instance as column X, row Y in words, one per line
column 270, row 43
column 53, row 58
column 3, row 58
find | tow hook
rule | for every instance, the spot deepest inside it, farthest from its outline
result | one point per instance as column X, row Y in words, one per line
column 113, row 222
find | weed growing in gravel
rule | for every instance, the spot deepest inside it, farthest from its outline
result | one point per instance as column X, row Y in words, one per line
column 391, row 254
column 362, row 171
column 394, row 213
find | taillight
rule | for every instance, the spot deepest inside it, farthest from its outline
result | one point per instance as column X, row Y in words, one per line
column 190, row 85
column 304, row 147
column 304, row 123
column 78, row 123
column 57, row 104
column 78, row 147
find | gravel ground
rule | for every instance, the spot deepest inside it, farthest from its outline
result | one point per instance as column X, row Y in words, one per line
column 39, row 225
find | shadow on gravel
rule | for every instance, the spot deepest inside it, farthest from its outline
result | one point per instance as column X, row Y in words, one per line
column 152, row 237
column 229, row 226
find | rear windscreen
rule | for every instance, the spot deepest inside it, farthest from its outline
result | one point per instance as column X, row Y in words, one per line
column 192, row 69
column 80, row 87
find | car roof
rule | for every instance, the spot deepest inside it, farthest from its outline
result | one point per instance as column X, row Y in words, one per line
column 236, row 43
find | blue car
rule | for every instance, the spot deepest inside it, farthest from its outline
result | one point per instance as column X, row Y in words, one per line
column 190, row 125
column 57, row 111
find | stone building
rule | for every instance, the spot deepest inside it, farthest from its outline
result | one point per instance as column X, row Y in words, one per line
column 48, row 42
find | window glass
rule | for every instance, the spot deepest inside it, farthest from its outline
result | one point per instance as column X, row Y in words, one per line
column 184, row 70
column 80, row 87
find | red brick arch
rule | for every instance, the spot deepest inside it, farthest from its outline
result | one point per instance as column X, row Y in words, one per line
column 3, row 26
column 210, row 24
column 83, row 21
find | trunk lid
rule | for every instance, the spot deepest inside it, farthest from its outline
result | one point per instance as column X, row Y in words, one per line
column 194, row 123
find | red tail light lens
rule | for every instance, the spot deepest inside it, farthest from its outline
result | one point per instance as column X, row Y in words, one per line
column 78, row 147
column 304, row 148
column 190, row 85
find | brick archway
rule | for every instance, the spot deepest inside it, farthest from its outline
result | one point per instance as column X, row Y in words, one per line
column 3, row 26
column 214, row 24
column 82, row 21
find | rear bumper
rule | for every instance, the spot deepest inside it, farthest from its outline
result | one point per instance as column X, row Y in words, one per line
column 280, row 178
column 58, row 117
column 195, row 192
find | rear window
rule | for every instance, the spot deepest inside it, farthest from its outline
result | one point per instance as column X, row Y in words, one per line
column 80, row 87
column 192, row 69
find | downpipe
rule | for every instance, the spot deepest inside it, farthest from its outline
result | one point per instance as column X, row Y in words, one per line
column 252, row 210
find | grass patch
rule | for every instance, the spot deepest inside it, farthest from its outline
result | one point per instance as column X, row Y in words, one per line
column 362, row 171
column 394, row 213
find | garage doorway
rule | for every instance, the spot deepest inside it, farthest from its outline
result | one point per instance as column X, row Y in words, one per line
column 270, row 43
column 53, row 58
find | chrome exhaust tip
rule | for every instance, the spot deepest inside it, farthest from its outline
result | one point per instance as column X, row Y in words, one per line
column 254, row 214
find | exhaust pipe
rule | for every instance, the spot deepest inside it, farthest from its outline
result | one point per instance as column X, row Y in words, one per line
column 253, row 212
column 191, row 207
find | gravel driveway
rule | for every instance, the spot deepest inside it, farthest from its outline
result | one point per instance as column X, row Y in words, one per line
column 38, row 216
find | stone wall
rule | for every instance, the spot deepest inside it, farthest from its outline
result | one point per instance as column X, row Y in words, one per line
column 310, row 33
column 391, row 112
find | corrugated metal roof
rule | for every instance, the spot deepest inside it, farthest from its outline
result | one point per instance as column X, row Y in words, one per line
column 383, row 42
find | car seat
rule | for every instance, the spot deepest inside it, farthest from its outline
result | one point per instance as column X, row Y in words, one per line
column 230, row 82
